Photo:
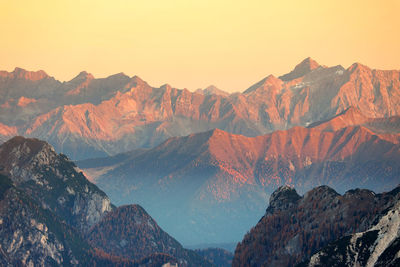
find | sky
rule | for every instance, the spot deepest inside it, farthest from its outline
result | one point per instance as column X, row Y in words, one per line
column 193, row 44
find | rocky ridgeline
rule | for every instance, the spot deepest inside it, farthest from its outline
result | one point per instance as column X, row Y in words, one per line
column 377, row 246
column 89, row 117
column 294, row 228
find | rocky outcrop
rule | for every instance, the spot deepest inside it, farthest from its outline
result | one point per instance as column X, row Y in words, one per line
column 378, row 246
column 31, row 235
column 26, row 237
column 128, row 231
column 303, row 68
column 286, row 237
column 53, row 181
column 282, row 199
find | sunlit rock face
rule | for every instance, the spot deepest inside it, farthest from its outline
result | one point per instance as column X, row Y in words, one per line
column 88, row 117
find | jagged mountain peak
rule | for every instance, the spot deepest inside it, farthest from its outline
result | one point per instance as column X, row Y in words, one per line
column 309, row 62
column 283, row 198
column 40, row 74
column 123, row 231
column 358, row 67
column 20, row 73
column 306, row 65
column 358, row 192
column 166, row 86
column 321, row 192
column 119, row 75
column 135, row 82
column 212, row 90
column 20, row 140
column 218, row 132
column 21, row 151
column 267, row 82
column 77, row 84
column 137, row 79
column 129, row 231
column 83, row 75
column 301, row 69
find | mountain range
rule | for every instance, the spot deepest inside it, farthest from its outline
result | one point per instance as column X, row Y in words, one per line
column 50, row 214
column 203, row 164
column 88, row 117
column 211, row 187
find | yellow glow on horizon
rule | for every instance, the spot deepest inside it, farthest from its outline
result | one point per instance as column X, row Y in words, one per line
column 193, row 44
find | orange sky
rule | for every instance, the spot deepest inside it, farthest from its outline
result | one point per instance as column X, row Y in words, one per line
column 193, row 44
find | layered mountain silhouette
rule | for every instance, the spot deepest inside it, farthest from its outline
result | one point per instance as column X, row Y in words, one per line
column 212, row 187
column 294, row 228
column 354, row 117
column 51, row 215
column 88, row 116
column 202, row 163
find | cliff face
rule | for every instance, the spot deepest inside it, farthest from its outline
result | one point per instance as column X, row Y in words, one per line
column 53, row 181
column 46, row 205
column 26, row 238
column 88, row 116
column 294, row 227
column 50, row 214
column 34, row 236
column 377, row 246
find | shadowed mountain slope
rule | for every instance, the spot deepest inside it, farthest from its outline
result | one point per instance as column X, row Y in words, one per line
column 50, row 214
column 293, row 227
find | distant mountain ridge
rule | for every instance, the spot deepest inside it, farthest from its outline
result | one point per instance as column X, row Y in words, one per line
column 221, row 181
column 353, row 117
column 99, row 117
column 211, row 90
